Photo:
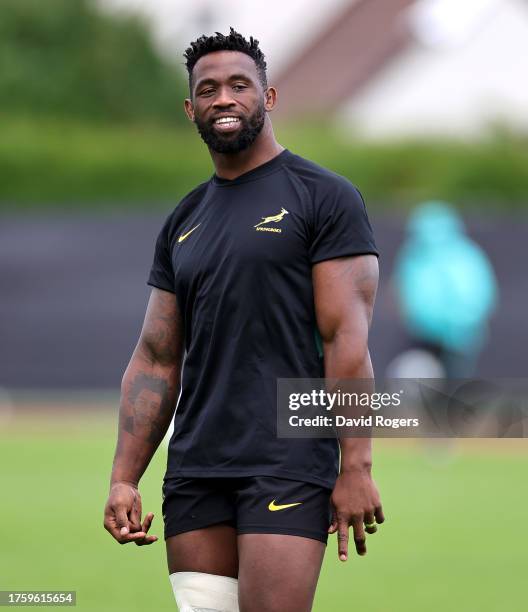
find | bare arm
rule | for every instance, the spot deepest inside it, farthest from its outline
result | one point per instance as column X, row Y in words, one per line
column 149, row 391
column 344, row 293
column 149, row 388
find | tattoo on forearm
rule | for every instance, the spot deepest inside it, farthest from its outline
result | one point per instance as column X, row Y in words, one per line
column 149, row 398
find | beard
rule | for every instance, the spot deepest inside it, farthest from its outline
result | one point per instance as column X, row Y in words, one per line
column 250, row 128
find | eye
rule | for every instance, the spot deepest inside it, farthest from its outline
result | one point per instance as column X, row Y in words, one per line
column 207, row 92
column 239, row 87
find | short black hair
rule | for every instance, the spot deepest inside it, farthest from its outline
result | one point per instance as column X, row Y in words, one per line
column 232, row 42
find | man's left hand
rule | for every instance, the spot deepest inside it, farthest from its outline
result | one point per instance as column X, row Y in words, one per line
column 356, row 503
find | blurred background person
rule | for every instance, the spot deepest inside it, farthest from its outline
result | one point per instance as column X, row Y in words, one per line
column 446, row 291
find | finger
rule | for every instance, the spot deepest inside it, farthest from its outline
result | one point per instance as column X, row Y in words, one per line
column 134, row 520
column 333, row 524
column 135, row 514
column 342, row 539
column 145, row 527
column 359, row 536
column 121, row 519
column 131, row 537
column 110, row 526
column 380, row 517
column 147, row 522
column 370, row 522
column 124, row 538
column 147, row 540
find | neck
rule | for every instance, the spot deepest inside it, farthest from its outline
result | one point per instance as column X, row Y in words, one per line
column 232, row 165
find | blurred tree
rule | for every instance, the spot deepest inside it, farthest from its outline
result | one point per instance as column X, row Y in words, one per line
column 64, row 57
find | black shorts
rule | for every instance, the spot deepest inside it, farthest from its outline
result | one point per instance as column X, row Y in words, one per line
column 255, row 504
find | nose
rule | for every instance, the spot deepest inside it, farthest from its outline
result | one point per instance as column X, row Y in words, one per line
column 224, row 98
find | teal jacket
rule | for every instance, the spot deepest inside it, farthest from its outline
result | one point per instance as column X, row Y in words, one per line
column 445, row 283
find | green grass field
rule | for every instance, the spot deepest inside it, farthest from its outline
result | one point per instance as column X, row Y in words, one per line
column 455, row 537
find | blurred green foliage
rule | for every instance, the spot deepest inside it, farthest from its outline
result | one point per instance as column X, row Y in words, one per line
column 65, row 58
column 92, row 116
column 80, row 165
column 484, row 174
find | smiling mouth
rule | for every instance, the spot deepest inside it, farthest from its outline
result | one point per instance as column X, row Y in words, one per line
column 226, row 124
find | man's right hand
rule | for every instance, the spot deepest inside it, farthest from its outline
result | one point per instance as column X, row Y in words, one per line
column 123, row 516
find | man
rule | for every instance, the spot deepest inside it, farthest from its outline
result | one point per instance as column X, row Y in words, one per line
column 246, row 268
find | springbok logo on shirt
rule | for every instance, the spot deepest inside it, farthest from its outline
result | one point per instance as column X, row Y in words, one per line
column 271, row 219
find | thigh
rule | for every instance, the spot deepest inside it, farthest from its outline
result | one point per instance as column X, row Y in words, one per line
column 211, row 550
column 282, row 528
column 199, row 520
column 278, row 573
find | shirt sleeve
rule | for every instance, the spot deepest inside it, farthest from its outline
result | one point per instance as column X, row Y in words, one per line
column 162, row 273
column 341, row 225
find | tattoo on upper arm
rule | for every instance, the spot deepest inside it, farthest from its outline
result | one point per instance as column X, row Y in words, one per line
column 162, row 334
column 151, row 386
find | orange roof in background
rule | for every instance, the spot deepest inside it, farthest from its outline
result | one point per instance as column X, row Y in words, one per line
column 344, row 56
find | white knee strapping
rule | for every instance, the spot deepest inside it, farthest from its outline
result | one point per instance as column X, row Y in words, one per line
column 197, row 592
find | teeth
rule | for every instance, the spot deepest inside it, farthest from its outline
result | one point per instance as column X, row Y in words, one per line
column 227, row 120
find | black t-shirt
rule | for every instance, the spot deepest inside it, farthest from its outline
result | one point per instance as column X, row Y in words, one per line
column 238, row 254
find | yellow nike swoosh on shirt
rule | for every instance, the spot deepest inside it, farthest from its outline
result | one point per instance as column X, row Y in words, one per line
column 273, row 507
column 183, row 236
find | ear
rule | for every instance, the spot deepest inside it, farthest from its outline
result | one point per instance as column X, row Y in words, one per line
column 189, row 109
column 271, row 98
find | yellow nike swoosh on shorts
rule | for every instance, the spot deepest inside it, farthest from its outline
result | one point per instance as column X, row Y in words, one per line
column 273, row 507
column 183, row 236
